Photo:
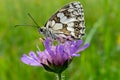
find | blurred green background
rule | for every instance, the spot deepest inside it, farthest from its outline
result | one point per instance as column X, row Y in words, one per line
column 101, row 61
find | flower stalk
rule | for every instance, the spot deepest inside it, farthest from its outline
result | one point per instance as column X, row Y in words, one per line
column 59, row 76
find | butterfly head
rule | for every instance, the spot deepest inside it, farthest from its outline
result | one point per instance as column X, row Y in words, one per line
column 47, row 33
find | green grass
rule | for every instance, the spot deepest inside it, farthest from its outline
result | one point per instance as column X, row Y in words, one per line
column 99, row 62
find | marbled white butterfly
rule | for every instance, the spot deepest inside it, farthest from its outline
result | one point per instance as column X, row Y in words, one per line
column 66, row 24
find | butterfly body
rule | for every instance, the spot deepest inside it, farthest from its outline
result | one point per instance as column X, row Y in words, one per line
column 66, row 24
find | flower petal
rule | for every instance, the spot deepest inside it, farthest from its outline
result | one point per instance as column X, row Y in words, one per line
column 34, row 56
column 61, row 51
column 30, row 61
column 75, row 45
column 75, row 54
column 48, row 47
column 82, row 48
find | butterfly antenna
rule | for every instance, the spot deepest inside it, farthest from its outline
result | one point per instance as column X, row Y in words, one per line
column 24, row 25
column 33, row 20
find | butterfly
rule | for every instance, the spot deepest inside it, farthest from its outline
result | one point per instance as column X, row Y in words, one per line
column 66, row 24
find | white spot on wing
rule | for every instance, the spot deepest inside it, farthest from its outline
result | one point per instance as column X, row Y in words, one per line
column 81, row 24
column 78, row 6
column 80, row 36
column 70, row 10
column 82, row 31
column 53, row 23
column 75, row 13
column 72, row 33
column 63, row 19
column 70, row 6
column 70, row 24
column 60, row 15
column 68, row 20
column 70, row 29
column 57, row 26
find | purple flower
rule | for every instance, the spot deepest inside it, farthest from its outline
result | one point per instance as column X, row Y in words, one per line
column 55, row 58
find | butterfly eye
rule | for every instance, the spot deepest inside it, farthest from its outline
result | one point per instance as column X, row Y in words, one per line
column 41, row 30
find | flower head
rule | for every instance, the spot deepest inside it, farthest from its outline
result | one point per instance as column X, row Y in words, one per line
column 55, row 58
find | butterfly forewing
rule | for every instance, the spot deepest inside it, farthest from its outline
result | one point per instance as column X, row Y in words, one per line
column 68, row 22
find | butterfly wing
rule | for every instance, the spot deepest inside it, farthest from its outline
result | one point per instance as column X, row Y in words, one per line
column 68, row 22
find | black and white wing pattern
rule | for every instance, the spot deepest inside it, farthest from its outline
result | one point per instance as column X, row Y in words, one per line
column 67, row 23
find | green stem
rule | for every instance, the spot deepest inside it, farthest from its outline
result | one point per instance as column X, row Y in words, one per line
column 59, row 76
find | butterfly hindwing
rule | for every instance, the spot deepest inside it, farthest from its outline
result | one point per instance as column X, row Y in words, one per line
column 68, row 21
